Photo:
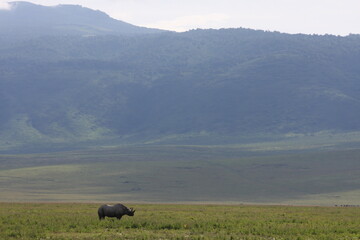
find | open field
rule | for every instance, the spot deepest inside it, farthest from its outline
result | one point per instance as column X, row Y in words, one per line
column 183, row 174
column 168, row 221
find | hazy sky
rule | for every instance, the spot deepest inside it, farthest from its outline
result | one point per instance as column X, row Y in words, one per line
column 339, row 17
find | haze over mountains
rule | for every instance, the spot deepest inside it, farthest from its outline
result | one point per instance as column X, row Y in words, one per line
column 74, row 76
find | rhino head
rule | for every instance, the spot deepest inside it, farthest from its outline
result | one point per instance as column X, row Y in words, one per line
column 130, row 212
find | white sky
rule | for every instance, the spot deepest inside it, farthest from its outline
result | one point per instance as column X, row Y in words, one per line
column 338, row 17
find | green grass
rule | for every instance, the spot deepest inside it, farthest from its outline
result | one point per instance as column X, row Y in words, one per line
column 183, row 174
column 165, row 221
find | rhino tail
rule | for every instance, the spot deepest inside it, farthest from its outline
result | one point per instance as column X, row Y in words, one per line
column 101, row 213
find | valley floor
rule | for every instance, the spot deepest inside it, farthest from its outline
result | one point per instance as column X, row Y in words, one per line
column 188, row 174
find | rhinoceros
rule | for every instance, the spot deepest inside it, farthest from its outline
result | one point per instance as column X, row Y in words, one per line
column 117, row 210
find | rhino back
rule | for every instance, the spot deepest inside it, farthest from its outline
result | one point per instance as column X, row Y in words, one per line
column 113, row 211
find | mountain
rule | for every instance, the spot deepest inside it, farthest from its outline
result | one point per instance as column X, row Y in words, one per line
column 201, row 86
column 27, row 19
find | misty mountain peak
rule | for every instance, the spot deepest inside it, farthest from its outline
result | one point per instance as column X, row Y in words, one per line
column 24, row 18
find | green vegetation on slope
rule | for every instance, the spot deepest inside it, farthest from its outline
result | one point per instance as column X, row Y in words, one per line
column 79, row 221
column 235, row 83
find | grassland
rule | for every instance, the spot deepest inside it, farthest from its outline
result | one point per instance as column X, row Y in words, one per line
column 183, row 174
column 168, row 221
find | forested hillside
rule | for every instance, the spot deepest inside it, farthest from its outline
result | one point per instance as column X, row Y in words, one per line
column 198, row 86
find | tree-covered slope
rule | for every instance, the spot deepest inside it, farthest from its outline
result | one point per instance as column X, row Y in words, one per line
column 208, row 84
